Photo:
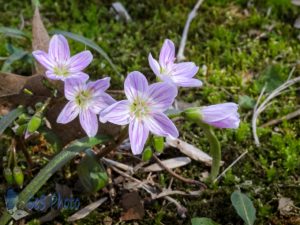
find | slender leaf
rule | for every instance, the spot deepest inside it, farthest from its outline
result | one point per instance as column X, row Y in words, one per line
column 17, row 55
column 9, row 118
column 203, row 221
column 244, row 207
column 12, row 32
column 89, row 43
column 54, row 165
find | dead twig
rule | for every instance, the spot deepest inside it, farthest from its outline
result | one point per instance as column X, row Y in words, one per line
column 177, row 176
column 260, row 108
column 231, row 165
column 191, row 16
column 286, row 117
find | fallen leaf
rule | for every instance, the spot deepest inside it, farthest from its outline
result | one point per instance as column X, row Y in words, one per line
column 86, row 210
column 40, row 37
column 132, row 204
column 170, row 163
column 286, row 207
column 190, row 150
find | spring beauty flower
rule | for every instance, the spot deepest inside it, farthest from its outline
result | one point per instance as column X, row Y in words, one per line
column 143, row 110
column 85, row 100
column 166, row 69
column 223, row 115
column 58, row 62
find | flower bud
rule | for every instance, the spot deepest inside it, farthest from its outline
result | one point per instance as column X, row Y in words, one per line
column 158, row 144
column 34, row 123
column 8, row 175
column 147, row 154
column 221, row 115
column 18, row 176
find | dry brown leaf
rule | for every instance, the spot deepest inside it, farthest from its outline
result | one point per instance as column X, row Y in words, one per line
column 190, row 150
column 286, row 207
column 40, row 37
column 169, row 163
column 132, row 204
column 86, row 210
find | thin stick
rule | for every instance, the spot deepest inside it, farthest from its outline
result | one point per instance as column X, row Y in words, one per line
column 177, row 176
column 286, row 117
column 191, row 16
column 231, row 165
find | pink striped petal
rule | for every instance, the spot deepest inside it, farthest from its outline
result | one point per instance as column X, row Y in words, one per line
column 99, row 86
column 221, row 115
column 117, row 113
column 44, row 59
column 69, row 113
column 135, row 86
column 161, row 125
column 161, row 96
column 101, row 102
column 52, row 76
column 80, row 61
column 59, row 48
column 89, row 122
column 78, row 75
column 154, row 65
column 186, row 82
column 167, row 53
column 138, row 134
column 185, row 69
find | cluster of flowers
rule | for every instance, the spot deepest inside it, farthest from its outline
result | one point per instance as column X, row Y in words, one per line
column 145, row 105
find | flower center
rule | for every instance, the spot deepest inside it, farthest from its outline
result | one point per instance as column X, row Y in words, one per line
column 83, row 98
column 139, row 108
column 61, row 70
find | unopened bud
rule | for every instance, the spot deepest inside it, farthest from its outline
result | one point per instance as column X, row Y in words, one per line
column 147, row 154
column 158, row 144
column 8, row 175
column 18, row 176
column 34, row 123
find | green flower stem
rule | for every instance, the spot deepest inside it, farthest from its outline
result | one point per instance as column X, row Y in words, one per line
column 215, row 150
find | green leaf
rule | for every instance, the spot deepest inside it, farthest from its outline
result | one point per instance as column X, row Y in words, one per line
column 244, row 207
column 91, row 172
column 89, row 43
column 53, row 166
column 203, row 221
column 9, row 118
column 12, row 32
